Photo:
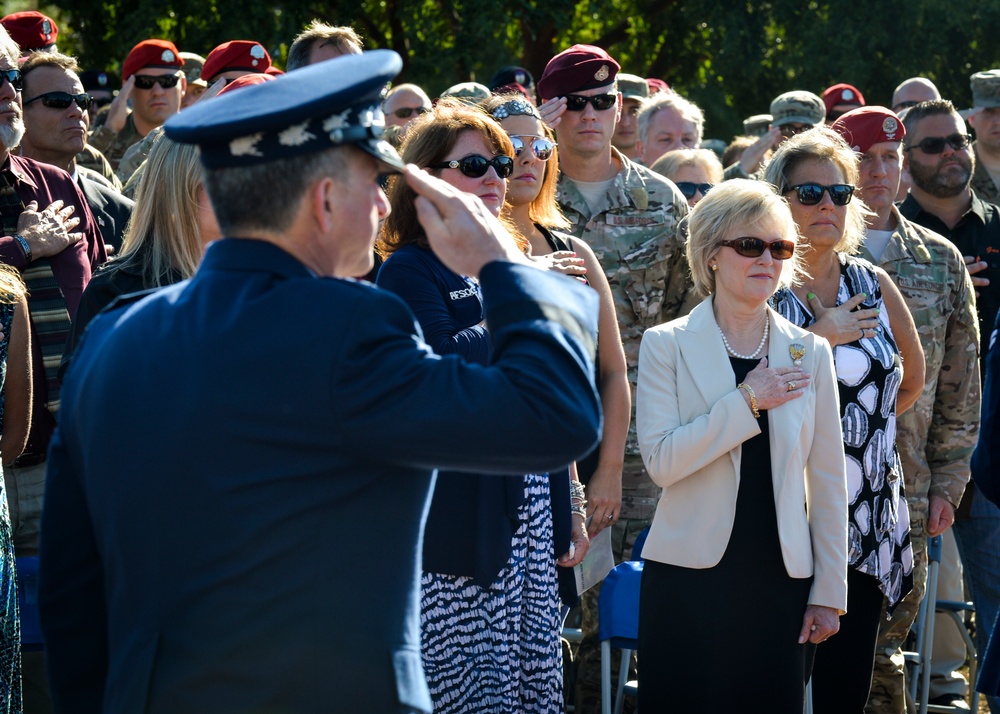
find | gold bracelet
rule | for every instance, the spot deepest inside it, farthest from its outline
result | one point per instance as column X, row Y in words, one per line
column 753, row 398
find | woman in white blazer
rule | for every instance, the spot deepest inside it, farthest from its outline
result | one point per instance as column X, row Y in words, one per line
column 738, row 421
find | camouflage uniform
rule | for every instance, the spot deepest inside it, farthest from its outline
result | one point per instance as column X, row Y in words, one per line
column 982, row 183
column 113, row 145
column 634, row 233
column 937, row 436
column 91, row 158
column 136, row 155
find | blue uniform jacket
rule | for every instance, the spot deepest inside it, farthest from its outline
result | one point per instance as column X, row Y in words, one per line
column 238, row 485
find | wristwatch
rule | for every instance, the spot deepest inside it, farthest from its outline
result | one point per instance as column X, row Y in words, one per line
column 24, row 246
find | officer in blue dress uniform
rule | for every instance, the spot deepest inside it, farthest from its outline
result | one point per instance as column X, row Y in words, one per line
column 223, row 454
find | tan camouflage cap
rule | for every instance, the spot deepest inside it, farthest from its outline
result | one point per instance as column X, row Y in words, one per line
column 632, row 86
column 798, row 106
column 757, row 125
column 985, row 89
column 469, row 92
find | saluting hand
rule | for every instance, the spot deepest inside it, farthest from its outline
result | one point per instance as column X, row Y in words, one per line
column 552, row 111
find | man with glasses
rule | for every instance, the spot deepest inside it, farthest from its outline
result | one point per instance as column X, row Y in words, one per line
column 936, row 437
column 795, row 112
column 154, row 86
column 629, row 216
column 402, row 104
column 985, row 119
column 56, row 122
column 49, row 235
column 940, row 160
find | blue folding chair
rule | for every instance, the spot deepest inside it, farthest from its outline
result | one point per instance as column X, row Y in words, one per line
column 619, row 627
column 27, row 602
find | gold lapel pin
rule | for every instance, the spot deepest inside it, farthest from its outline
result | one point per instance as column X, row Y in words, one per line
column 797, row 351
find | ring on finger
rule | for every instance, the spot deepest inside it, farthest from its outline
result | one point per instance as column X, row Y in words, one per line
column 791, row 386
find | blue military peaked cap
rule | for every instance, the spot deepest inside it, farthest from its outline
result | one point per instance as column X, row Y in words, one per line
column 328, row 104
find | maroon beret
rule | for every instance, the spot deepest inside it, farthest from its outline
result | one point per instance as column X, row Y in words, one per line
column 865, row 126
column 579, row 68
column 273, row 71
column 247, row 80
column 160, row 54
column 657, row 85
column 842, row 94
column 31, row 30
column 236, row 55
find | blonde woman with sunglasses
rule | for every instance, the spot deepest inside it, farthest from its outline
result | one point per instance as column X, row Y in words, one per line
column 880, row 372
column 736, row 414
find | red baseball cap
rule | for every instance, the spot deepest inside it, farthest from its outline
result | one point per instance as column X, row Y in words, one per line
column 842, row 94
column 579, row 68
column 161, row 54
column 31, row 30
column 241, row 55
column 865, row 126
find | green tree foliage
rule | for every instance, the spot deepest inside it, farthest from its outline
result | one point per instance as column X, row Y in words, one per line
column 730, row 56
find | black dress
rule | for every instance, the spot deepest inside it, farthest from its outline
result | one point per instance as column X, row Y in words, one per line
column 724, row 639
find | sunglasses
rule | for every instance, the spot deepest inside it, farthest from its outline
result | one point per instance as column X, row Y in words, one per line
column 540, row 146
column 14, row 77
column 475, row 166
column 146, row 81
column 407, row 112
column 935, row 144
column 689, row 189
column 750, row 247
column 62, row 100
column 812, row 193
column 600, row 102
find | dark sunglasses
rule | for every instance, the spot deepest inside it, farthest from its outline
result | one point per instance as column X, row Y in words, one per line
column 475, row 165
column 935, row 144
column 689, row 189
column 14, row 77
column 62, row 100
column 750, row 247
column 600, row 102
column 540, row 146
column 812, row 193
column 789, row 130
column 146, row 81
column 407, row 112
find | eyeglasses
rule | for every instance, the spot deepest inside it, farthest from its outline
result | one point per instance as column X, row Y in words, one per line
column 689, row 189
column 407, row 112
column 935, row 144
column 750, row 247
column 14, row 77
column 812, row 193
column 146, row 81
column 600, row 102
column 62, row 100
column 540, row 146
column 789, row 130
column 475, row 165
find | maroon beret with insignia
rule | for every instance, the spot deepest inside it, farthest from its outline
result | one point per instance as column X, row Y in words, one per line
column 842, row 94
column 577, row 69
column 31, row 30
column 865, row 126
column 236, row 55
column 160, row 54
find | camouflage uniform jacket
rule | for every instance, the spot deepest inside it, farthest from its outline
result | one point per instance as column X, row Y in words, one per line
column 113, row 145
column 937, row 435
column 634, row 233
column 982, row 183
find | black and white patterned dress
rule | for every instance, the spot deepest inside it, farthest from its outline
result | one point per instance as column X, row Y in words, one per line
column 869, row 373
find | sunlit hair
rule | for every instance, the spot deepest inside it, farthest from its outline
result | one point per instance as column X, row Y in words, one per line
column 8, row 48
column 163, row 238
column 673, row 161
column 544, row 210
column 688, row 110
column 822, row 144
column 11, row 284
column 429, row 138
column 345, row 38
column 734, row 209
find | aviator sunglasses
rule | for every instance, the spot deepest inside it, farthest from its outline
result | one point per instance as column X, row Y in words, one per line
column 935, row 144
column 812, row 193
column 14, row 77
column 750, row 247
column 146, row 81
column 62, row 100
column 540, row 146
column 475, row 165
column 689, row 188
column 600, row 102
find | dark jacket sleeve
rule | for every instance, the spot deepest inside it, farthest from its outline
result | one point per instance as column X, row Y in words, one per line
column 986, row 458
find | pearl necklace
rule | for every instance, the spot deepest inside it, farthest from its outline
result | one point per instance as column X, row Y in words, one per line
column 763, row 341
